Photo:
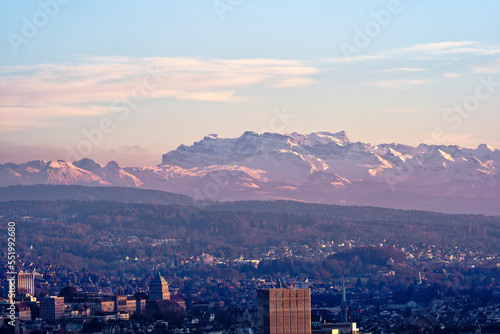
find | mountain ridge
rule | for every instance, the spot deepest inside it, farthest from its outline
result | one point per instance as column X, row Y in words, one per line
column 320, row 167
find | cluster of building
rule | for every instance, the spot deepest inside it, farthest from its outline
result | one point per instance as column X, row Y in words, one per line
column 287, row 311
column 453, row 304
column 73, row 308
column 279, row 310
column 257, row 306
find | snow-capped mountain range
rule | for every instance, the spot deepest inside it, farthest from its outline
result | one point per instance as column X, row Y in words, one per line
column 319, row 167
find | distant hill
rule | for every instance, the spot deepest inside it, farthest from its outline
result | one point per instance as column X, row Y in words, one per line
column 84, row 193
column 333, row 211
column 68, row 224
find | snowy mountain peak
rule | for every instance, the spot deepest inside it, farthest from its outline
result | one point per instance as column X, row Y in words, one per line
column 342, row 135
column 57, row 164
column 87, row 164
column 316, row 167
column 294, row 157
column 322, row 138
column 484, row 147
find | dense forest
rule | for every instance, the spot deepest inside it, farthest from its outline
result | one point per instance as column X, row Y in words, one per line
column 97, row 234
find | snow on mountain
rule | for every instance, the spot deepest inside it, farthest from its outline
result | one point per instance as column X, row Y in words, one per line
column 320, row 167
column 328, row 167
column 322, row 138
column 83, row 172
column 47, row 172
column 116, row 176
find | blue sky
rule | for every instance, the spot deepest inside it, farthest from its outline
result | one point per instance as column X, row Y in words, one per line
column 118, row 80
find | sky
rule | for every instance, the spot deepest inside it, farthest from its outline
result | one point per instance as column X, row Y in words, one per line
column 129, row 81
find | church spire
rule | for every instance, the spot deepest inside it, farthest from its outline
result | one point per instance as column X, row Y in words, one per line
column 343, row 305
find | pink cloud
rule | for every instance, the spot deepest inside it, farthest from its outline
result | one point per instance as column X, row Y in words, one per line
column 32, row 96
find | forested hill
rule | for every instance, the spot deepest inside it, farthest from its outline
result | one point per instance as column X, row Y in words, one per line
column 100, row 234
column 134, row 195
column 244, row 228
column 45, row 192
column 355, row 213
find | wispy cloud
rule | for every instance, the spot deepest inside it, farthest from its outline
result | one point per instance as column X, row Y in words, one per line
column 424, row 50
column 453, row 75
column 458, row 48
column 355, row 59
column 412, row 110
column 437, row 47
column 295, row 82
column 33, row 96
column 398, row 84
column 214, row 96
column 402, row 69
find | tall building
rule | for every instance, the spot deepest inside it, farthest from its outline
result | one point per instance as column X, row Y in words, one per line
column 25, row 284
column 343, row 305
column 284, row 311
column 158, row 289
column 51, row 308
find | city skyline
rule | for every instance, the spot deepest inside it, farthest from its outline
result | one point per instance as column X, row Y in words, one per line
column 237, row 166
column 153, row 78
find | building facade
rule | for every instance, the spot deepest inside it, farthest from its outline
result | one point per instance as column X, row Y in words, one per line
column 24, row 312
column 120, row 303
column 51, row 308
column 106, row 305
column 25, row 284
column 284, row 311
column 158, row 289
